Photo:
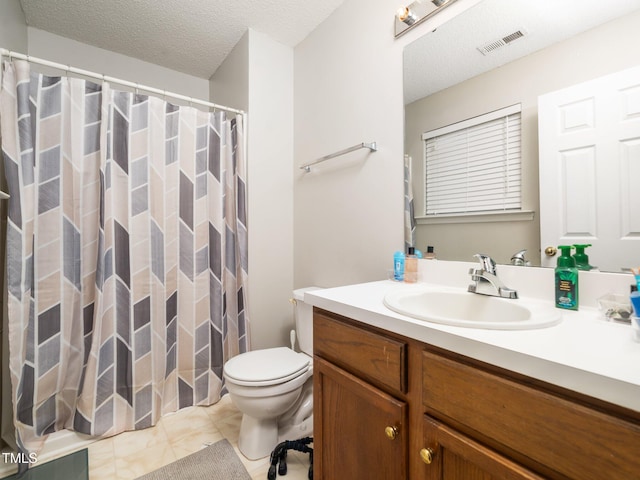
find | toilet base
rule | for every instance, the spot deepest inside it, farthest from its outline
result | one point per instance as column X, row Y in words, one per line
column 294, row 432
column 257, row 436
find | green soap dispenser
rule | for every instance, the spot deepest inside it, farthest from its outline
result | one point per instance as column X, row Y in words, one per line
column 581, row 258
column 566, row 280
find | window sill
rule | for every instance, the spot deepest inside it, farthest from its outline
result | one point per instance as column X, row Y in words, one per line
column 478, row 217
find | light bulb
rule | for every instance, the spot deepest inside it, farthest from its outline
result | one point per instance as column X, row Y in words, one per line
column 406, row 15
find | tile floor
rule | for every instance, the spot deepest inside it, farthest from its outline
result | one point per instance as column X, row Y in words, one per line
column 131, row 454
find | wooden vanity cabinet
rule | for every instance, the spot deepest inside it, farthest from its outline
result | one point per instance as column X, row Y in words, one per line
column 555, row 432
column 389, row 407
column 360, row 410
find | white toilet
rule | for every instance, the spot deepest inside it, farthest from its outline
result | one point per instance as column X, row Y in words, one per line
column 273, row 388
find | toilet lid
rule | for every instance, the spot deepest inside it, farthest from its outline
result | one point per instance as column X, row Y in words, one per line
column 266, row 367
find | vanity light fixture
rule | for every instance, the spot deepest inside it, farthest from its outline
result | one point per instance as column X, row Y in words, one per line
column 419, row 10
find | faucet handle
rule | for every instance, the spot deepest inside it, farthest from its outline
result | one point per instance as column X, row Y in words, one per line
column 488, row 265
column 518, row 258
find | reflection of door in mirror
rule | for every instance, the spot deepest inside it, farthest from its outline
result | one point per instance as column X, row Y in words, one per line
column 589, row 144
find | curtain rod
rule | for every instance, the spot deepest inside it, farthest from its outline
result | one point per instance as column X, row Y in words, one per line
column 106, row 78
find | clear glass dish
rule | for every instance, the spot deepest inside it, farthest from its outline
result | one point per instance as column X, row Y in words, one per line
column 616, row 307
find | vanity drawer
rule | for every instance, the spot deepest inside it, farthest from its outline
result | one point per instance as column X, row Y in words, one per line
column 569, row 438
column 370, row 355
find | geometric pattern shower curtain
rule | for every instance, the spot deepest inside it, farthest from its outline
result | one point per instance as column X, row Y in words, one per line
column 126, row 254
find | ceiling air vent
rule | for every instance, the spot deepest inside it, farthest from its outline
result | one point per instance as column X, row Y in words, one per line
column 501, row 42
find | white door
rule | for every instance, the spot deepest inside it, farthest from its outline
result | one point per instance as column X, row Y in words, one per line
column 589, row 142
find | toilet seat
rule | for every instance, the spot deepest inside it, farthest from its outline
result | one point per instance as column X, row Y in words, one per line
column 270, row 366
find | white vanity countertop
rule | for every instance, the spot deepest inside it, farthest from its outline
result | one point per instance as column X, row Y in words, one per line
column 583, row 353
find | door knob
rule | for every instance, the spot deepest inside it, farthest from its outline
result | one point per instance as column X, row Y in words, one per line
column 426, row 454
column 391, row 432
column 550, row 251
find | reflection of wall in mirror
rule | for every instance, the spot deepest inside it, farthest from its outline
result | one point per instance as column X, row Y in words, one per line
column 594, row 53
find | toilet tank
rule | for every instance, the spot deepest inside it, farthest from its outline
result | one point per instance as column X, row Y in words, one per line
column 304, row 320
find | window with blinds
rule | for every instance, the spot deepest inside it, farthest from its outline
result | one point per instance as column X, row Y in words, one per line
column 474, row 166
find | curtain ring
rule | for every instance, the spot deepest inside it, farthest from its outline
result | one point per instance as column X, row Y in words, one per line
column 137, row 88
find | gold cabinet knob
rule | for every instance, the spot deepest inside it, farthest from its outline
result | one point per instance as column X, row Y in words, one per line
column 550, row 251
column 391, row 432
column 426, row 454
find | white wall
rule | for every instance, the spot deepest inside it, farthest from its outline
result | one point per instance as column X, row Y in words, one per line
column 229, row 85
column 70, row 52
column 270, row 180
column 348, row 89
column 13, row 27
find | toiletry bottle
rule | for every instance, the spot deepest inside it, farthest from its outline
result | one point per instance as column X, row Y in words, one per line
column 636, row 275
column 635, row 303
column 581, row 258
column 566, row 275
column 430, row 255
column 398, row 266
column 635, row 295
column 411, row 266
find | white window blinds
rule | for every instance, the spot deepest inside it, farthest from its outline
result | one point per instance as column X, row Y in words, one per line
column 474, row 165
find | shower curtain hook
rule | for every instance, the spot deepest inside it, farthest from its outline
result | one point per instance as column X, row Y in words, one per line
column 137, row 88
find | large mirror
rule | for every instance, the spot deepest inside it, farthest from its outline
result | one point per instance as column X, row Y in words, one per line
column 496, row 54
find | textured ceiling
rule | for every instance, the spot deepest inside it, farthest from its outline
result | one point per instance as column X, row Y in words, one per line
column 195, row 36
column 449, row 55
column 190, row 36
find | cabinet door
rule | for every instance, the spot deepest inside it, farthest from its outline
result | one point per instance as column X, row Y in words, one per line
column 448, row 454
column 360, row 431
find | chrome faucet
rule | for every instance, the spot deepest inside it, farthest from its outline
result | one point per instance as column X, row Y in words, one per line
column 486, row 281
column 519, row 260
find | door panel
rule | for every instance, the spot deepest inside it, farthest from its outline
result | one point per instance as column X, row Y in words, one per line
column 457, row 457
column 589, row 147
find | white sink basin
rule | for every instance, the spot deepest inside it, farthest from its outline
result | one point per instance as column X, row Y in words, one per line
column 464, row 309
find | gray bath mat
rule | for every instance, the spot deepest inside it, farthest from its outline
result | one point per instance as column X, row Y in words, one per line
column 216, row 462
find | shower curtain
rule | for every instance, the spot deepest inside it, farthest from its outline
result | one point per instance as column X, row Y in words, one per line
column 126, row 254
column 409, row 213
